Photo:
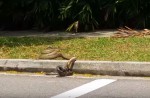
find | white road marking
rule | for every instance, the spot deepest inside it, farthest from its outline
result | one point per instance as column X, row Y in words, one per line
column 84, row 89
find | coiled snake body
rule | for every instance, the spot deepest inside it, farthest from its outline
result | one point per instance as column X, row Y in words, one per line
column 52, row 53
column 68, row 69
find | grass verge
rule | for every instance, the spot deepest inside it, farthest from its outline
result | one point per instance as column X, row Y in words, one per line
column 108, row 49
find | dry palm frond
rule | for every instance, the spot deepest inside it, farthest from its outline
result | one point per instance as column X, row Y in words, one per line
column 128, row 32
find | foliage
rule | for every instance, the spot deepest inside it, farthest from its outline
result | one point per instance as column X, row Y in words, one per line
column 60, row 14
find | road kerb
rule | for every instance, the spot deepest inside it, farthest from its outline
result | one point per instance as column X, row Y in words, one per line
column 114, row 68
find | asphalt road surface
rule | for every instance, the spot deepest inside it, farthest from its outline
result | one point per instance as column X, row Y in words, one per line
column 33, row 86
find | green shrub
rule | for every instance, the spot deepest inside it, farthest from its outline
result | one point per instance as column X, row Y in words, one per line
column 60, row 14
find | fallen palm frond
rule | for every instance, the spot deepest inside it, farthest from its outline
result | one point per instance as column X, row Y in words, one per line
column 128, row 32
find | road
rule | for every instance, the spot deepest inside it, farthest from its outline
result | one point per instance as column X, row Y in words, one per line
column 40, row 86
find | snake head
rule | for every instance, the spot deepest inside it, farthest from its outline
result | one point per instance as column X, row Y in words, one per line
column 61, row 71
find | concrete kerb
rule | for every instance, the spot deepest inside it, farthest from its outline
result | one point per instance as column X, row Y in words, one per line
column 86, row 67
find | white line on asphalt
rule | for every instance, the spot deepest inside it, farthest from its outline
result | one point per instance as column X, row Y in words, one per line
column 86, row 88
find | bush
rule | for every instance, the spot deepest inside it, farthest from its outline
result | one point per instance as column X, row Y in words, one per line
column 60, row 14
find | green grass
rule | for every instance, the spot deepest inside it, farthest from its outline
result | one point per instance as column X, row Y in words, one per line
column 112, row 49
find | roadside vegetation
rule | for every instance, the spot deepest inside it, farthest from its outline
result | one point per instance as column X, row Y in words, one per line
column 62, row 14
column 108, row 49
column 75, row 16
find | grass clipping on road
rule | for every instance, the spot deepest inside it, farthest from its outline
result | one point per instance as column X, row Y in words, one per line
column 108, row 49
